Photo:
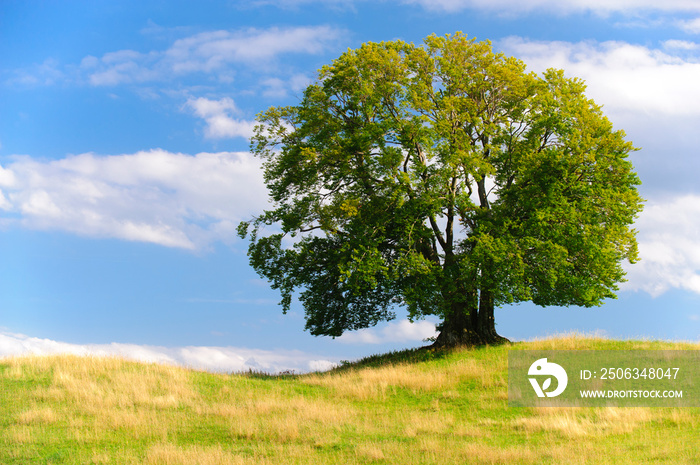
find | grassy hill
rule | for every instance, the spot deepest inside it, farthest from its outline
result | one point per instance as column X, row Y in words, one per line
column 414, row 407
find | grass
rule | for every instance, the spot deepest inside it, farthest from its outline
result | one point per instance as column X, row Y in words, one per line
column 411, row 407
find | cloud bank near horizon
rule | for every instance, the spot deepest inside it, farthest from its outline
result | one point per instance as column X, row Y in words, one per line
column 221, row 359
column 215, row 359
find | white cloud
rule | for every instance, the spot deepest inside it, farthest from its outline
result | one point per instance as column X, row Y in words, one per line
column 393, row 331
column 218, row 359
column 279, row 88
column 559, row 6
column 124, row 66
column 602, row 7
column 274, row 88
column 156, row 196
column 207, row 52
column 681, row 45
column 651, row 93
column 337, row 5
column 622, row 76
column 4, row 203
column 692, row 26
column 218, row 116
column 669, row 246
column 47, row 73
column 299, row 82
column 212, row 52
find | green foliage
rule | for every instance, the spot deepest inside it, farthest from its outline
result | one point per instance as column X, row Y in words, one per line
column 434, row 176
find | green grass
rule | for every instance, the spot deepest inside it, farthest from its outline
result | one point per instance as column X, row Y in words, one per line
column 411, row 407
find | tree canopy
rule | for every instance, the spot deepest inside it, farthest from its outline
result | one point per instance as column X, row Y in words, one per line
column 446, row 179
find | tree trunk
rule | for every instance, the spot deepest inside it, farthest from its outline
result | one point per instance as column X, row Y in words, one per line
column 458, row 329
column 470, row 326
column 486, row 322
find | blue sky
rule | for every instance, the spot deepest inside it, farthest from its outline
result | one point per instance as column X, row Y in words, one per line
column 124, row 165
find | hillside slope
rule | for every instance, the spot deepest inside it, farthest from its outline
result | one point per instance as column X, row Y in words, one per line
column 415, row 407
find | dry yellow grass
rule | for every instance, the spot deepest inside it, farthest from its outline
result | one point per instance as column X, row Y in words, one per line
column 20, row 434
column 37, row 415
column 585, row 341
column 451, row 410
column 169, row 454
column 102, row 384
column 370, row 452
column 100, row 395
column 377, row 383
column 577, row 422
column 427, row 423
column 485, row 454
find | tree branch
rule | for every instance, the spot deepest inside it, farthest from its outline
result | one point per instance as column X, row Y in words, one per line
column 438, row 234
column 449, row 233
column 483, row 196
column 310, row 228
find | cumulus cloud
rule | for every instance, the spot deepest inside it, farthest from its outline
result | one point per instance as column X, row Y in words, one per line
column 623, row 76
column 393, row 331
column 669, row 246
column 217, row 359
column 218, row 115
column 171, row 199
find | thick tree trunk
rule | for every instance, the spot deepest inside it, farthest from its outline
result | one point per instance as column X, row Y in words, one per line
column 486, row 322
column 470, row 326
column 458, row 329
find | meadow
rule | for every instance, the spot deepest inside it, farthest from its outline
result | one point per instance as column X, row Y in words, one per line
column 411, row 407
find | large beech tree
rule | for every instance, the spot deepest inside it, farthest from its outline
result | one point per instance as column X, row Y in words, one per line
column 446, row 179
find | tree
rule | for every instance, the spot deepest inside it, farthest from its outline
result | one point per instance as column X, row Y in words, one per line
column 445, row 179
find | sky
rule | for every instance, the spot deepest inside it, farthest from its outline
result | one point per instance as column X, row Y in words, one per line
column 125, row 166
